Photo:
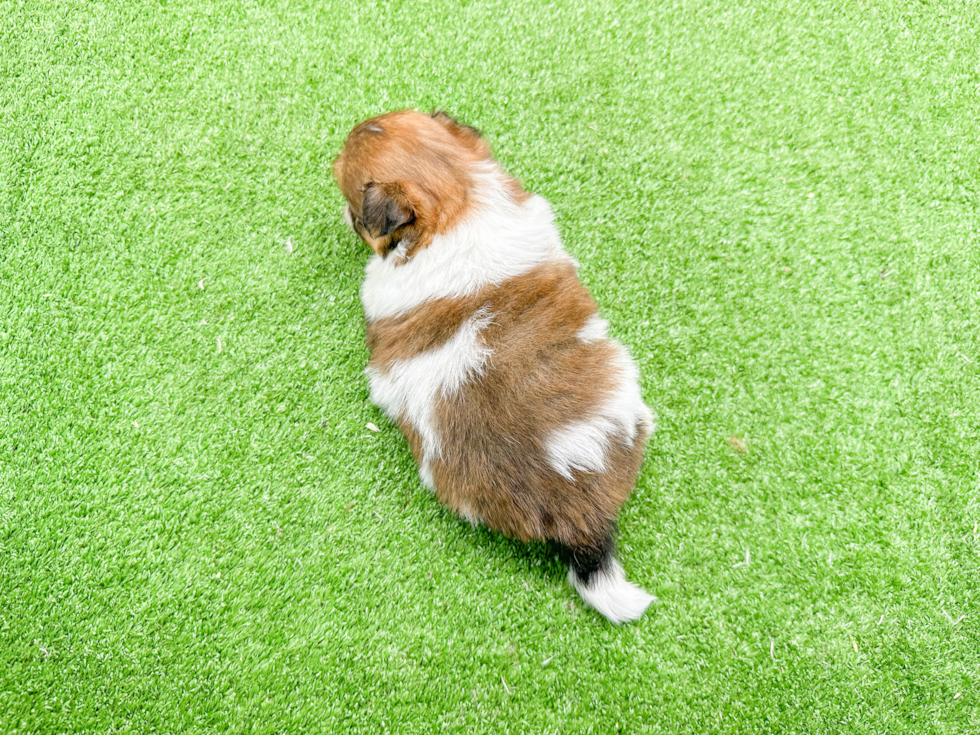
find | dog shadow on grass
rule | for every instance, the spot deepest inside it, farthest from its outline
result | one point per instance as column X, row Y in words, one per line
column 532, row 562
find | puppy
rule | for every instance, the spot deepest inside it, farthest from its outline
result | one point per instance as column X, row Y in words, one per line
column 488, row 352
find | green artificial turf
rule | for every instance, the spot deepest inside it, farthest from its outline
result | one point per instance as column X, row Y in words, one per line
column 775, row 205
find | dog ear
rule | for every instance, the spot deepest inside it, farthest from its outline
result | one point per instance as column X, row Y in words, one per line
column 465, row 134
column 455, row 126
column 385, row 208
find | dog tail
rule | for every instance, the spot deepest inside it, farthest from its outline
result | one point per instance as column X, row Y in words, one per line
column 596, row 574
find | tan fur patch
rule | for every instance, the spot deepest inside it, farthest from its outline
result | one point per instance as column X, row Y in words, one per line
column 430, row 325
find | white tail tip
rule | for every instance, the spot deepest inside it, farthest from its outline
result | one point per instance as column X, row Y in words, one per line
column 611, row 595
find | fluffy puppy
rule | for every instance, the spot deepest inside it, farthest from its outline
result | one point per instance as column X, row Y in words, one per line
column 488, row 352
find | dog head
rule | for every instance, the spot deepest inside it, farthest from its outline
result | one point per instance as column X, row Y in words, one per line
column 408, row 177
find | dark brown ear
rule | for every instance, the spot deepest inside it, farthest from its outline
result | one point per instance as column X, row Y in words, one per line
column 385, row 208
column 455, row 127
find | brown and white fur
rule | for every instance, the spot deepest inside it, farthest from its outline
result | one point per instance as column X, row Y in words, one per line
column 488, row 352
